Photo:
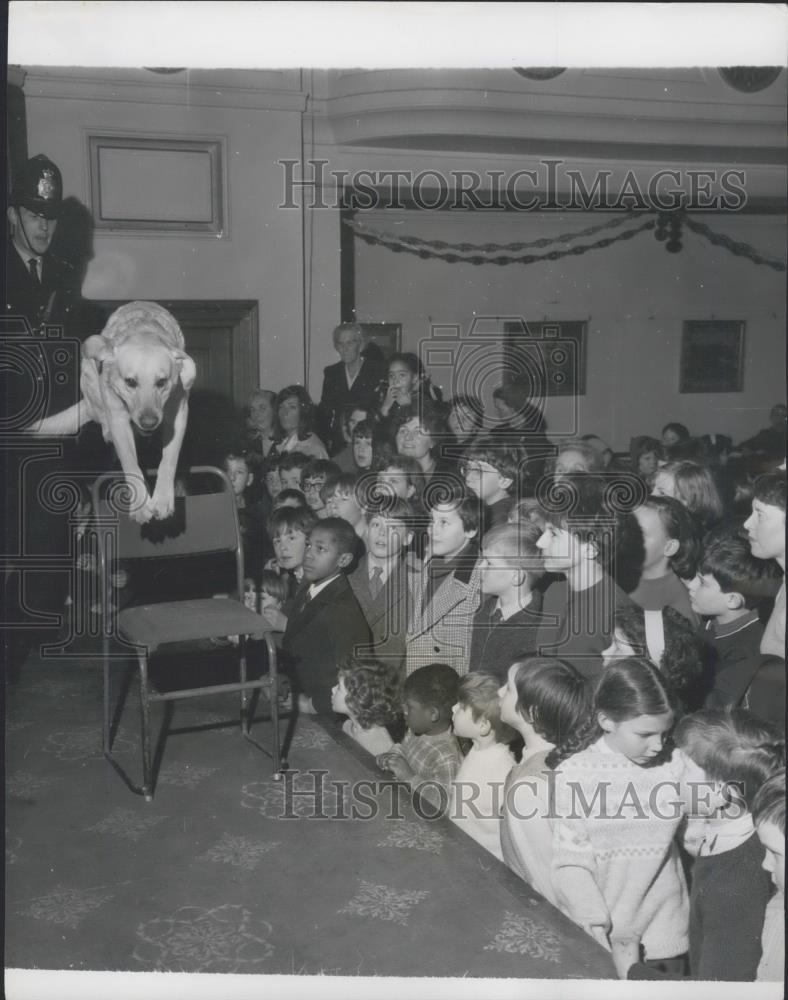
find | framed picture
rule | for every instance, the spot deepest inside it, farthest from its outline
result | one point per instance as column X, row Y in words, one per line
column 550, row 356
column 157, row 185
column 712, row 356
column 386, row 336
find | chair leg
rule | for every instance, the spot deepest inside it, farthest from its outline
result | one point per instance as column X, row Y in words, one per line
column 244, row 692
column 147, row 789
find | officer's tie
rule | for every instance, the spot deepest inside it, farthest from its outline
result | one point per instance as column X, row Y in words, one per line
column 32, row 265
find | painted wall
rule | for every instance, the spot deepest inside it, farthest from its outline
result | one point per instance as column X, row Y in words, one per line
column 634, row 296
column 260, row 257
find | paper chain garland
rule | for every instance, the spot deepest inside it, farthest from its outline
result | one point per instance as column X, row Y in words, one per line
column 504, row 253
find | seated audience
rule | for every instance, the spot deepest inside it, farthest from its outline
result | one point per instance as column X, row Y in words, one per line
column 578, row 611
column 544, row 700
column 576, row 456
column 291, row 469
column 342, row 498
column 290, row 498
column 768, row 445
column 673, row 434
column 351, row 416
column 726, row 591
column 671, row 643
column 505, row 626
column 295, row 413
column 429, row 755
column 384, row 578
column 492, row 473
column 260, row 422
column 768, row 814
column 325, row 623
column 368, row 693
column 645, row 455
column 251, row 517
column 693, row 486
column 313, row 479
column 465, row 418
column 445, row 595
column 476, row 792
column 671, row 552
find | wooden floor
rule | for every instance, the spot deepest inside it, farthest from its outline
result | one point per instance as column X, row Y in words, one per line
column 228, row 871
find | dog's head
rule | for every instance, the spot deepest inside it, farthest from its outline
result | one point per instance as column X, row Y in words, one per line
column 142, row 361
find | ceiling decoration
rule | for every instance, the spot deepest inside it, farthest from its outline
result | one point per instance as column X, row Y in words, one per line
column 539, row 72
column 749, row 79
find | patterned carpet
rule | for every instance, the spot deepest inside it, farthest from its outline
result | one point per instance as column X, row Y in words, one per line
column 227, row 871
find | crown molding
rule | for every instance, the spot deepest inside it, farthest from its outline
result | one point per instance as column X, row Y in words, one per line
column 266, row 91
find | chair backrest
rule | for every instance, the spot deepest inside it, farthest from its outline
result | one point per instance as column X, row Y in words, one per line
column 203, row 524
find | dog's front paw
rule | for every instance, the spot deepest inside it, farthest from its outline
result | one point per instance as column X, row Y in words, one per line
column 162, row 503
column 142, row 513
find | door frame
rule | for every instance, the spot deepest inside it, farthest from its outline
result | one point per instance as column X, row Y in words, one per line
column 241, row 315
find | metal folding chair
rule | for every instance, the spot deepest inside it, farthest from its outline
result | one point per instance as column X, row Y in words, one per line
column 205, row 524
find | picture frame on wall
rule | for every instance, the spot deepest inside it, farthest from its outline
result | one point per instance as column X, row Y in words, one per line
column 386, row 336
column 712, row 356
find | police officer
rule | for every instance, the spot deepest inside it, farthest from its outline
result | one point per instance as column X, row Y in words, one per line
column 42, row 294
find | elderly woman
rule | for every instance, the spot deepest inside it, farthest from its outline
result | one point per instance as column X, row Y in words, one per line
column 353, row 380
column 294, row 413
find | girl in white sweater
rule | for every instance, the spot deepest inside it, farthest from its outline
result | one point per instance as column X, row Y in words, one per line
column 619, row 803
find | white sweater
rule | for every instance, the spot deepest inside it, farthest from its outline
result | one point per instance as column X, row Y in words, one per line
column 615, row 860
column 477, row 795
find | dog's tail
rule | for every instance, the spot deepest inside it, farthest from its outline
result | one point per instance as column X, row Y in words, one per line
column 63, row 424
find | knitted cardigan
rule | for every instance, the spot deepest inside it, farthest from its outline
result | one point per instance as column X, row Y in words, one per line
column 615, row 860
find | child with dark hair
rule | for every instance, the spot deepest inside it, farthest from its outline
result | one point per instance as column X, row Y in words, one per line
column 728, row 756
column 326, row 623
column 768, row 814
column 384, row 576
column 429, row 755
column 578, row 541
column 544, row 700
column 251, row 516
column 291, row 467
column 674, row 433
column 445, row 595
column 729, row 585
column 765, row 529
column 269, row 472
column 671, row 643
column 476, row 794
column 624, row 898
column 491, row 470
column 505, row 626
column 671, row 555
column 288, row 529
column 645, row 454
column 313, row 478
column 368, row 692
column 291, row 498
column 343, row 498
column 401, row 476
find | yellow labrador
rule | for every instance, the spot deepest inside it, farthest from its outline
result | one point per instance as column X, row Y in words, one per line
column 135, row 372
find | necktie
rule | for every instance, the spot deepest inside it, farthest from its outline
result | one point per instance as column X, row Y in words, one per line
column 496, row 617
column 375, row 583
column 32, row 265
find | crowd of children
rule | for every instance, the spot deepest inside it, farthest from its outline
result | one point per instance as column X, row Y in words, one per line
column 591, row 688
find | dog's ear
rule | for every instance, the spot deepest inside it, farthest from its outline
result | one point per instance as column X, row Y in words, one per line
column 187, row 369
column 97, row 349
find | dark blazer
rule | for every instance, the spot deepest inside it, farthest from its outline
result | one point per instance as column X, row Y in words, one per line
column 336, row 396
column 319, row 633
column 495, row 647
column 387, row 614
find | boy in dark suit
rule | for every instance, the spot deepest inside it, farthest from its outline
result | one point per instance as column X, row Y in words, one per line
column 383, row 578
column 327, row 623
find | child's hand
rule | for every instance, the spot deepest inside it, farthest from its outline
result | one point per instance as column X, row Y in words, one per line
column 400, row 768
column 626, row 952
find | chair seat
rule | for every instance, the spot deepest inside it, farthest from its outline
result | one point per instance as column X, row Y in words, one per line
column 154, row 625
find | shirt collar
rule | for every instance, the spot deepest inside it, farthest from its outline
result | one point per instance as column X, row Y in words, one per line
column 736, row 625
column 315, row 588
